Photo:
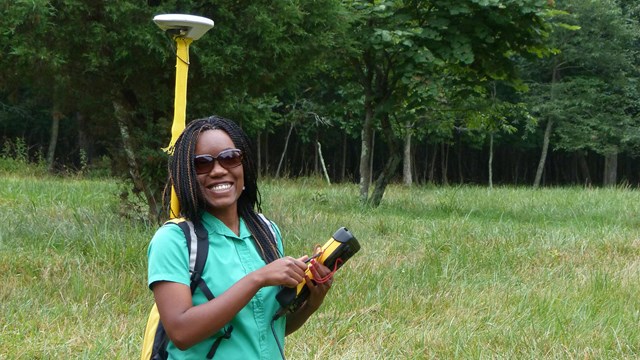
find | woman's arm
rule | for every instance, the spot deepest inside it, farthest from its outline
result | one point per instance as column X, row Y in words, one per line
column 187, row 325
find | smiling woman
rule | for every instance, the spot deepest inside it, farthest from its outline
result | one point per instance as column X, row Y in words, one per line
column 214, row 177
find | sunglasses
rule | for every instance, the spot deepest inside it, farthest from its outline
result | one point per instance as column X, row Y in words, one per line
column 228, row 159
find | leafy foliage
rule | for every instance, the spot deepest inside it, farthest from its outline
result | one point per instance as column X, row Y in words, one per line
column 405, row 46
column 593, row 95
column 418, row 68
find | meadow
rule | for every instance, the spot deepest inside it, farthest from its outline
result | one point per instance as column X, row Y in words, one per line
column 444, row 272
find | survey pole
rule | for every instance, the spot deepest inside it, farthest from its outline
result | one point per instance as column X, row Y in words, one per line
column 184, row 29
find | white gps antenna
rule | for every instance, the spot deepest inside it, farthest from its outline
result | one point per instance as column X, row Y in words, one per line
column 188, row 26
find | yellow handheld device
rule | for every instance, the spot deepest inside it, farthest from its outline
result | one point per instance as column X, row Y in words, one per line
column 335, row 252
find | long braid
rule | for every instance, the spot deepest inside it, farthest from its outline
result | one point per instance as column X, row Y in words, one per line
column 182, row 176
column 250, row 200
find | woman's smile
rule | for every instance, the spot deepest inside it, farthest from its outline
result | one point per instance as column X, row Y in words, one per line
column 220, row 187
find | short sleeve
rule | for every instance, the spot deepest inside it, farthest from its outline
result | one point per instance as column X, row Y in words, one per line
column 168, row 256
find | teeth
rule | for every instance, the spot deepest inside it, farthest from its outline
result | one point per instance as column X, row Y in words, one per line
column 220, row 187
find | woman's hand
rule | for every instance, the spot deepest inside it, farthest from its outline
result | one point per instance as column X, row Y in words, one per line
column 318, row 289
column 285, row 271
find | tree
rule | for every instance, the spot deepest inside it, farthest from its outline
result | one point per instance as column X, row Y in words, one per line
column 492, row 115
column 586, row 92
column 403, row 45
column 44, row 67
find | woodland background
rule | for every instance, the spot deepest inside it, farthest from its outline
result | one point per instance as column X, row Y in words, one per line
column 523, row 92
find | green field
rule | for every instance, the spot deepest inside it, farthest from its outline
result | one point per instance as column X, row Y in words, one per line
column 455, row 272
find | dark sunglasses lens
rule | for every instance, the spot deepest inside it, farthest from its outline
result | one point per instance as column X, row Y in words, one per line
column 230, row 158
column 203, row 163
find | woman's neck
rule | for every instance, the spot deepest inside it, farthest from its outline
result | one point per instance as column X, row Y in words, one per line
column 230, row 219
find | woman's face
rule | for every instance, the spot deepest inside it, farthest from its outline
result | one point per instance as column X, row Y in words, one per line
column 221, row 186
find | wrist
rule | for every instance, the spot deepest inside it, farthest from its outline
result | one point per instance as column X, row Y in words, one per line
column 256, row 280
column 307, row 308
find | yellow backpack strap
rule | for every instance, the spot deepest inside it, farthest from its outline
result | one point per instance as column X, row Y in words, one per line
column 155, row 339
column 150, row 333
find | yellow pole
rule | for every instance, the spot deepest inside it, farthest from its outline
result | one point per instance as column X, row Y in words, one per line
column 179, row 106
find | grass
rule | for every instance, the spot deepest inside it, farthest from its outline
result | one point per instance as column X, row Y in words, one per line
column 456, row 272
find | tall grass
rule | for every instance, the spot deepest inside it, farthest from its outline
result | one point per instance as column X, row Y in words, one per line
column 462, row 272
column 71, row 270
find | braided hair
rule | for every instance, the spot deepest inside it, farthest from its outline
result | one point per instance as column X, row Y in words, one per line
column 183, row 178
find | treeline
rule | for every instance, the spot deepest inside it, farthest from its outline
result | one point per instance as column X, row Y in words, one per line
column 531, row 92
column 456, row 163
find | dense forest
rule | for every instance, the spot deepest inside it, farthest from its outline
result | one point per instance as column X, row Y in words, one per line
column 526, row 92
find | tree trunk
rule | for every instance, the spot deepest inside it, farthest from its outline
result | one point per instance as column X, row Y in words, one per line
column 384, row 178
column 491, row 160
column 324, row 167
column 574, row 178
column 266, row 153
column 284, row 151
column 610, row 169
column 365, row 152
column 432, row 167
column 584, row 169
column 343, row 168
column 543, row 155
column 459, row 159
column 547, row 132
column 53, row 140
column 517, row 168
column 415, row 168
column 426, row 163
column 259, row 154
column 373, row 149
column 122, row 117
column 444, row 163
column 392, row 164
column 316, row 155
column 406, row 167
column 84, row 142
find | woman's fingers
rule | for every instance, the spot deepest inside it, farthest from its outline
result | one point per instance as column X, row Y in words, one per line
column 294, row 269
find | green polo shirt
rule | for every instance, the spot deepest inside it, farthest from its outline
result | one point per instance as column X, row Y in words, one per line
column 231, row 257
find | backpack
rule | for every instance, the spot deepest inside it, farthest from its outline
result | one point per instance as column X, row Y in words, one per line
column 154, row 345
column 155, row 341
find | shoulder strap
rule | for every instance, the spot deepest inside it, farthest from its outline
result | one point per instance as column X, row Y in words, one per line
column 198, row 245
column 269, row 225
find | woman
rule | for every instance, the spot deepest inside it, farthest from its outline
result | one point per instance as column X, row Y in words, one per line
column 213, row 173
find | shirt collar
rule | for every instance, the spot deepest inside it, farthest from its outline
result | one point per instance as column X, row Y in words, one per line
column 214, row 225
